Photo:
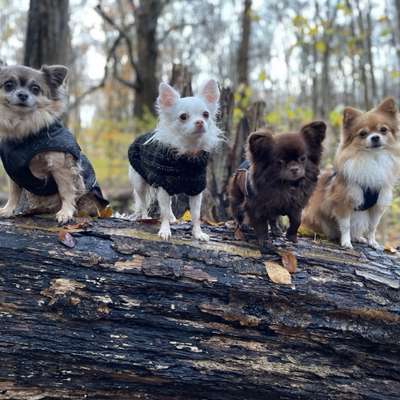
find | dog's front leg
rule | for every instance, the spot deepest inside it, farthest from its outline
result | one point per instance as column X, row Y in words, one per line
column 13, row 199
column 294, row 223
column 195, row 208
column 164, row 202
column 375, row 215
column 345, row 233
column 260, row 226
column 67, row 190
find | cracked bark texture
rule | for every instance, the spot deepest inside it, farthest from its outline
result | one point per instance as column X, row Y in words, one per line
column 123, row 315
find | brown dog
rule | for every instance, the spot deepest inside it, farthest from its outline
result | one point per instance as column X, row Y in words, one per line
column 277, row 179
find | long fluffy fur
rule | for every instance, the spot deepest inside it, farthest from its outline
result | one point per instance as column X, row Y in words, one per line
column 181, row 136
column 17, row 123
column 339, row 192
column 274, row 193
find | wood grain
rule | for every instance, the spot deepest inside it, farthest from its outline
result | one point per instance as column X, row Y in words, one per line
column 123, row 315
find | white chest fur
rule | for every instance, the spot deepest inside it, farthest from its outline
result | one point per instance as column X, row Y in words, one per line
column 371, row 170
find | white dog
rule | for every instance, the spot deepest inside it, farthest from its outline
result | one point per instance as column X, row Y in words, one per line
column 173, row 158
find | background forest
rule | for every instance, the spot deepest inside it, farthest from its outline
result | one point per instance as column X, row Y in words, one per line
column 280, row 64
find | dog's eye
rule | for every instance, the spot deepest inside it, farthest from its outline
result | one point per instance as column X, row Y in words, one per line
column 206, row 114
column 383, row 130
column 363, row 133
column 9, row 86
column 183, row 117
column 35, row 89
column 302, row 158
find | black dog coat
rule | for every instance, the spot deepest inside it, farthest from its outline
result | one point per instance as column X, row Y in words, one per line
column 17, row 155
column 162, row 166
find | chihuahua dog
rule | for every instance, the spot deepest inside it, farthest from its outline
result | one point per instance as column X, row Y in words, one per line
column 277, row 179
column 173, row 158
column 350, row 199
column 46, row 169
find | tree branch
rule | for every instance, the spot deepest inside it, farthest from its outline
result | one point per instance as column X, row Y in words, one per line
column 101, row 84
column 128, row 43
column 180, row 26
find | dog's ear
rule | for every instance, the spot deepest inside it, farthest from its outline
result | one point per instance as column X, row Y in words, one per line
column 388, row 106
column 210, row 93
column 55, row 75
column 350, row 114
column 314, row 134
column 260, row 145
column 167, row 96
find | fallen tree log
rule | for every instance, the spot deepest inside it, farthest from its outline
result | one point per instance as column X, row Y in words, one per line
column 122, row 315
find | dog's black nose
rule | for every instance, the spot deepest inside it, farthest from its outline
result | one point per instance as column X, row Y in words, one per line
column 22, row 96
column 375, row 139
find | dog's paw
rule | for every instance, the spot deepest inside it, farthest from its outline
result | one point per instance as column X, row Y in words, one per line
column 165, row 232
column 239, row 235
column 198, row 234
column 276, row 231
column 266, row 247
column 360, row 240
column 374, row 244
column 64, row 216
column 139, row 215
column 346, row 244
column 6, row 212
column 292, row 238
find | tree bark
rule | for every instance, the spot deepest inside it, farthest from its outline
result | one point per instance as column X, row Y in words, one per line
column 146, row 16
column 244, row 46
column 48, row 37
column 397, row 8
column 363, row 61
column 215, row 202
column 123, row 315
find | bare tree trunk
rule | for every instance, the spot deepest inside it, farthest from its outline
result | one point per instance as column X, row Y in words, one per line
column 215, row 202
column 146, row 83
column 181, row 79
column 328, row 22
column 396, row 37
column 314, row 90
column 142, row 54
column 397, row 7
column 48, row 37
column 244, row 47
column 353, row 62
column 363, row 56
column 368, row 45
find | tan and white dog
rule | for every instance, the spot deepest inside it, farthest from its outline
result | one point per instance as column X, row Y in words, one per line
column 47, row 171
column 349, row 200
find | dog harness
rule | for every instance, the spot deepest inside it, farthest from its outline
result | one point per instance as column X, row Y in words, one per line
column 16, row 156
column 370, row 197
column 162, row 166
column 244, row 168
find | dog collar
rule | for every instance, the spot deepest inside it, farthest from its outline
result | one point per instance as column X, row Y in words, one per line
column 245, row 169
